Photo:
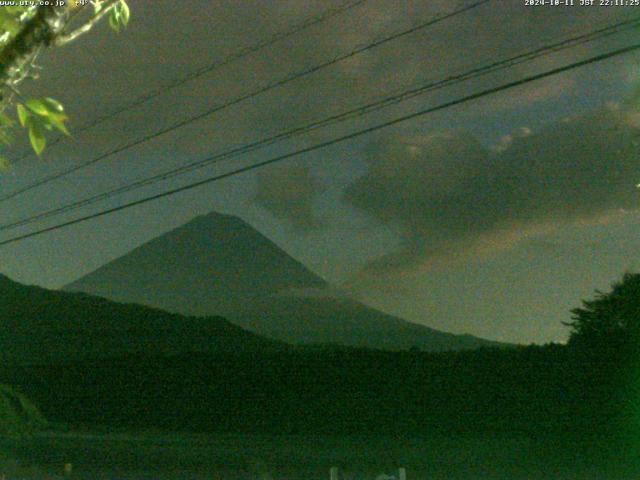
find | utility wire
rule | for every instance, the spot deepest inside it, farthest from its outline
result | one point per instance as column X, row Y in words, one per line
column 228, row 60
column 318, row 146
column 353, row 113
column 237, row 100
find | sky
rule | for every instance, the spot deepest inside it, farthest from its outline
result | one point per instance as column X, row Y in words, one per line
column 494, row 217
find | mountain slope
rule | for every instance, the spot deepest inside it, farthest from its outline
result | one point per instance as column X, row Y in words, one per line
column 38, row 325
column 345, row 322
column 219, row 265
column 200, row 268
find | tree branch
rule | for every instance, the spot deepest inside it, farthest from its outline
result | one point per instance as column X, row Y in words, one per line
column 38, row 32
column 65, row 38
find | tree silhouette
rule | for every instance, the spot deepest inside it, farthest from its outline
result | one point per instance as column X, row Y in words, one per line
column 611, row 320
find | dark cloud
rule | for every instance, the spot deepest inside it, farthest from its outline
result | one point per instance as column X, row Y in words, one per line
column 168, row 40
column 287, row 192
column 452, row 197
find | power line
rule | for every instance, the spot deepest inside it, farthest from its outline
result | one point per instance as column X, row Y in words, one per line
column 228, row 60
column 362, row 110
column 237, row 100
column 280, row 158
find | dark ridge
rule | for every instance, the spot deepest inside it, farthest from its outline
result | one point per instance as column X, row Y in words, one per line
column 217, row 264
column 40, row 325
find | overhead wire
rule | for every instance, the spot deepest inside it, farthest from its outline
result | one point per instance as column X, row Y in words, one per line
column 384, row 102
column 334, row 141
column 242, row 98
column 204, row 70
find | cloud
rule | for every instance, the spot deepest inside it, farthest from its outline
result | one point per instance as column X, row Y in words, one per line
column 287, row 192
column 159, row 49
column 506, row 140
column 452, row 198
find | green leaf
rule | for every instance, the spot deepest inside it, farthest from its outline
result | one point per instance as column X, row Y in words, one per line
column 4, row 164
column 57, row 121
column 125, row 13
column 114, row 19
column 119, row 15
column 23, row 114
column 53, row 105
column 37, row 106
column 36, row 137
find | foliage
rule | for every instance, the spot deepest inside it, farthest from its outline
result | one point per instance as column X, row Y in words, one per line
column 611, row 320
column 606, row 331
column 119, row 16
column 11, row 20
column 348, row 391
column 39, row 115
column 186, row 373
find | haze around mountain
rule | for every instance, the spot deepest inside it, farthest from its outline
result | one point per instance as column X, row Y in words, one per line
column 218, row 264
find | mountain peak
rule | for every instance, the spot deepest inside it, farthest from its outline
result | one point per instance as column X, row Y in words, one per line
column 217, row 258
column 215, row 217
column 217, row 264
